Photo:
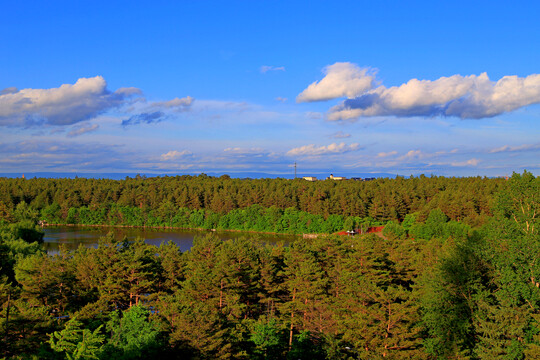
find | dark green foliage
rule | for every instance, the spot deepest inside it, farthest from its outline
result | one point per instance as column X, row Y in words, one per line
column 303, row 348
column 27, row 230
column 449, row 303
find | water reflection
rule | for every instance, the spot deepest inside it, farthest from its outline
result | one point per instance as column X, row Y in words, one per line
column 73, row 236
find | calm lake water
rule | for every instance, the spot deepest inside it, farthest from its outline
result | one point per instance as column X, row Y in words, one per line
column 73, row 236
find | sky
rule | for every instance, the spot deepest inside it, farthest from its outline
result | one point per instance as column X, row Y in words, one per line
column 243, row 88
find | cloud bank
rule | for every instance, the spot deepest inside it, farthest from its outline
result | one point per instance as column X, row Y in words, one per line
column 466, row 97
column 312, row 150
column 65, row 105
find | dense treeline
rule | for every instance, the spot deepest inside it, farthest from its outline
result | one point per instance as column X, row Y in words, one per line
column 251, row 218
column 432, row 288
column 466, row 200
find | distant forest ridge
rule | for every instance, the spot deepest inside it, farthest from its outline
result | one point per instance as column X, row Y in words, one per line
column 275, row 205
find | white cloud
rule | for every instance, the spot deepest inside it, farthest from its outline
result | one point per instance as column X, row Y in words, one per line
column 282, row 99
column 471, row 97
column 341, row 80
column 79, row 130
column 312, row 150
column 266, row 68
column 507, row 148
column 175, row 155
column 65, row 105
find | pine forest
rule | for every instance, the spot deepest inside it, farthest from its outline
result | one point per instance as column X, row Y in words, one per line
column 455, row 274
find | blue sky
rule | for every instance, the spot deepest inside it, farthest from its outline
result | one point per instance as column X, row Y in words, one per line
column 234, row 87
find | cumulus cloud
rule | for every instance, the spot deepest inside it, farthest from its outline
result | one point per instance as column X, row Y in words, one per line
column 175, row 155
column 342, row 79
column 312, row 150
column 144, row 118
column 65, row 105
column 282, row 99
column 266, row 68
column 80, row 130
column 466, row 97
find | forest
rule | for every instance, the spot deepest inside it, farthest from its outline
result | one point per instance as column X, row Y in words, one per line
column 271, row 205
column 455, row 274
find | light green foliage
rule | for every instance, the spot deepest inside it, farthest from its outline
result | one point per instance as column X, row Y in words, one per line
column 408, row 222
column 52, row 213
column 133, row 335
column 268, row 338
column 24, row 212
column 78, row 343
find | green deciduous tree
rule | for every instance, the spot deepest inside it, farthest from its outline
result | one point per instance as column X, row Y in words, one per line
column 133, row 335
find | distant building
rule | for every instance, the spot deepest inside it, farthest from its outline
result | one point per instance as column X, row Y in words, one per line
column 369, row 179
column 332, row 177
column 357, row 179
column 310, row 178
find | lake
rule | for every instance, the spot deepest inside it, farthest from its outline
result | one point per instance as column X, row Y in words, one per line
column 73, row 236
